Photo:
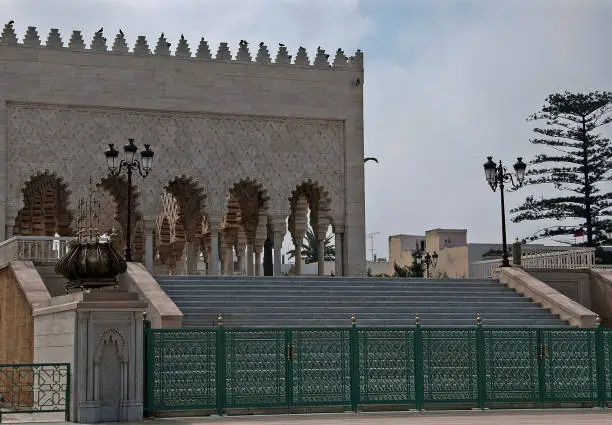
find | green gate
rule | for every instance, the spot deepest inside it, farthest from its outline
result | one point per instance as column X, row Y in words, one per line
column 220, row 368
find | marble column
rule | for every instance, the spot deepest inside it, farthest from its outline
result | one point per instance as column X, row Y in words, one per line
column 249, row 260
column 278, row 244
column 258, row 250
column 297, row 243
column 150, row 227
column 213, row 258
column 338, row 247
column 321, row 256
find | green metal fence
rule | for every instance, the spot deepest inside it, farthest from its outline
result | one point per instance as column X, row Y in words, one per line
column 35, row 388
column 479, row 367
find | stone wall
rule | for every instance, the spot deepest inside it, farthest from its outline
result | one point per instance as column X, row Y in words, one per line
column 574, row 284
column 16, row 324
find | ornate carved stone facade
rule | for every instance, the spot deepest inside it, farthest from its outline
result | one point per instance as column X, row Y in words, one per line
column 241, row 149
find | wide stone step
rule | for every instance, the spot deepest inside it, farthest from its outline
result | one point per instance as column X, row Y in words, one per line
column 374, row 303
column 289, row 290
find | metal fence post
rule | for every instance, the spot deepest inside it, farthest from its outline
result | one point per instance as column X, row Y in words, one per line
column 68, row 377
column 480, row 363
column 419, row 379
column 149, row 404
column 354, row 363
column 600, row 356
column 220, row 363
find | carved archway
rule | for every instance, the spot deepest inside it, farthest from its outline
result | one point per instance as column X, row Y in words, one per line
column 45, row 207
column 118, row 190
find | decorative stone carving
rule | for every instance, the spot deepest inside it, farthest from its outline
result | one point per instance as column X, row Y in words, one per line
column 182, row 50
column 340, row 61
column 279, row 153
column 283, row 57
column 163, row 47
column 223, row 53
column 263, row 56
column 98, row 44
column 142, row 47
column 76, row 41
column 321, row 60
column 31, row 38
column 243, row 54
column 120, row 45
column 8, row 36
column 302, row 57
column 54, row 40
column 203, row 50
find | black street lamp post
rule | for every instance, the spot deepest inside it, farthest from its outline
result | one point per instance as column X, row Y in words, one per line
column 129, row 163
column 497, row 175
column 430, row 260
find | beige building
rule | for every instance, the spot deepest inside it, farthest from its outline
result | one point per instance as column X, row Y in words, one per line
column 244, row 146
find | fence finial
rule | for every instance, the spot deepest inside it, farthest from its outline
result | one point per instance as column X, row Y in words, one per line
column 353, row 319
column 220, row 320
column 478, row 319
column 598, row 320
column 417, row 319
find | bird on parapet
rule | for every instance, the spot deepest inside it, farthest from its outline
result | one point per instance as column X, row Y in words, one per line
column 281, row 45
column 261, row 44
column 100, row 30
column 120, row 32
column 11, row 22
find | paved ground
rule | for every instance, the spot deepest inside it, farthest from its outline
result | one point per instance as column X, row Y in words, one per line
column 497, row 417
column 556, row 417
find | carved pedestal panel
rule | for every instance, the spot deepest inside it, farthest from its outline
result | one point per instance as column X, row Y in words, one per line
column 100, row 334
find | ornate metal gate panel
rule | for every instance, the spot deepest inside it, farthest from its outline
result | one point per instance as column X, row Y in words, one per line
column 449, row 365
column 321, row 367
column 511, row 365
column 569, row 369
column 255, row 372
column 181, row 369
column 386, row 366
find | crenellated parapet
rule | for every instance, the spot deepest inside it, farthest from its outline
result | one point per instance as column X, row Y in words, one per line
column 100, row 44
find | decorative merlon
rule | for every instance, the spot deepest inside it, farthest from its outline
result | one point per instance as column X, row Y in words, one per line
column 54, row 40
column 182, row 50
column 98, row 44
column 31, row 38
column 76, row 41
column 163, row 48
column 243, row 54
column 142, row 47
column 120, row 45
column 263, row 56
column 8, row 36
column 203, row 50
column 223, row 53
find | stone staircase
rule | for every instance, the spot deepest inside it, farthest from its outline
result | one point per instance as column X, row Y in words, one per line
column 329, row 302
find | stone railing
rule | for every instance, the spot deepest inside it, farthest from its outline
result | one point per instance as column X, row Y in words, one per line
column 33, row 248
column 561, row 260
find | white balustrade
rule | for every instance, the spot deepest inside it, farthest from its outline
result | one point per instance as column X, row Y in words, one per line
column 44, row 249
column 544, row 259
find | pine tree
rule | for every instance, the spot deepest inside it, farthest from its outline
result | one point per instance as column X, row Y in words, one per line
column 581, row 162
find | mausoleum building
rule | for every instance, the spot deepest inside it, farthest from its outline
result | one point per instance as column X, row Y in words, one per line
column 245, row 146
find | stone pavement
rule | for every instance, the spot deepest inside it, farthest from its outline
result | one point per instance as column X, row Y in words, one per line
column 497, row 417
column 494, row 417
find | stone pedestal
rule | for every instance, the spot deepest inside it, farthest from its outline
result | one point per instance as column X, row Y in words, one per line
column 101, row 335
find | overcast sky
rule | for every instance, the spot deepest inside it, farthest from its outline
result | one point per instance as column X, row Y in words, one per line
column 447, row 82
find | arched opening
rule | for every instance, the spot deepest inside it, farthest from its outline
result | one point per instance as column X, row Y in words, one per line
column 45, row 207
column 243, row 230
column 310, row 229
column 180, row 247
column 117, row 188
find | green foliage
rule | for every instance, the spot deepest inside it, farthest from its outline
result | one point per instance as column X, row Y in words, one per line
column 581, row 161
column 414, row 270
column 310, row 252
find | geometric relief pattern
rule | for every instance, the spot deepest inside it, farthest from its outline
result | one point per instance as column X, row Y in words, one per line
column 321, row 373
column 386, row 366
column 216, row 150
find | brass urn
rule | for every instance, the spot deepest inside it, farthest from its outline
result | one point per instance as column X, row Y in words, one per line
column 91, row 264
column 91, row 260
